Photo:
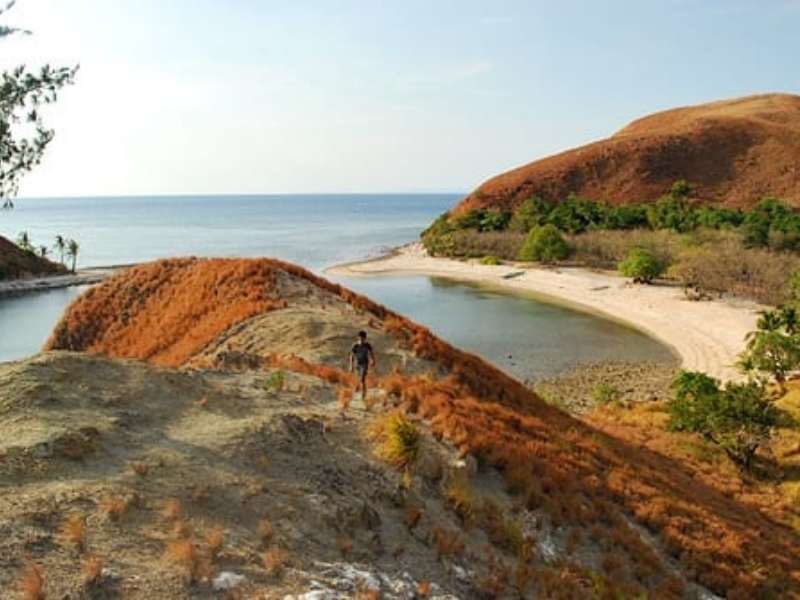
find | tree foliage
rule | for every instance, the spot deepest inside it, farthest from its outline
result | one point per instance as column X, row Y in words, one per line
column 642, row 265
column 774, row 347
column 738, row 417
column 545, row 244
column 23, row 134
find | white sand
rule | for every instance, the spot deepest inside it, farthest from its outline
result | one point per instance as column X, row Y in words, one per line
column 708, row 336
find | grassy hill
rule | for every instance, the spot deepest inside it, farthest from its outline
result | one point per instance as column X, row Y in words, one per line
column 732, row 152
column 16, row 263
column 233, row 443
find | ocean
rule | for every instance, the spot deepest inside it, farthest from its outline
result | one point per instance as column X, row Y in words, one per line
column 529, row 338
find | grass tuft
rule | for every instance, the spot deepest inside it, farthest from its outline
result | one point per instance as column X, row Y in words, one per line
column 397, row 439
column 31, row 584
column 92, row 570
column 73, row 532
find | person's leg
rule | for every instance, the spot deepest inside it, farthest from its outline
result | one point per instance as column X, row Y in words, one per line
column 364, row 385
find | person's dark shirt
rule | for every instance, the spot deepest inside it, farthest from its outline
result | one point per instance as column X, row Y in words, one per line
column 361, row 351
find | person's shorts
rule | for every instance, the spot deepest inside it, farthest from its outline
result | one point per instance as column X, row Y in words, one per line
column 362, row 371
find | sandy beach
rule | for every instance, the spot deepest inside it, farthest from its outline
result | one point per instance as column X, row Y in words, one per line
column 706, row 335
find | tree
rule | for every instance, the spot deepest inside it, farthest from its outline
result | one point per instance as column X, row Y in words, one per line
column 774, row 347
column 43, row 250
column 545, row 244
column 531, row 213
column 72, row 252
column 60, row 246
column 23, row 135
column 24, row 241
column 642, row 265
column 738, row 417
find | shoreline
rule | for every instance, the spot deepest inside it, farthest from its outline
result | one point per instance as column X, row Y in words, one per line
column 88, row 276
column 705, row 335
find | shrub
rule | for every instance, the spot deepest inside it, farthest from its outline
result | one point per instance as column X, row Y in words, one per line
column 544, row 244
column 398, row 439
column 774, row 348
column 276, row 381
column 183, row 554
column 726, row 266
column 531, row 213
column 73, row 532
column 490, row 260
column 275, row 560
column 605, row 249
column 92, row 570
column 606, row 394
column 642, row 265
column 738, row 418
column 494, row 220
column 672, row 212
column 31, row 584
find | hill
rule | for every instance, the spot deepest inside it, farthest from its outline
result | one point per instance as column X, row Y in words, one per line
column 232, row 443
column 16, row 263
column 732, row 153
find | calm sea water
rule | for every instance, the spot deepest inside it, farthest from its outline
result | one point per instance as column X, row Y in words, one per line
column 527, row 337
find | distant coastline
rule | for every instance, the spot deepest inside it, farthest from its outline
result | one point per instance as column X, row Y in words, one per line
column 707, row 336
column 89, row 276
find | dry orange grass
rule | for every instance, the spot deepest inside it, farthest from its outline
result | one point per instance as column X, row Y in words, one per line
column 275, row 560
column 31, row 584
column 581, row 474
column 114, row 507
column 166, row 311
column 172, row 509
column 214, row 539
column 92, row 570
column 184, row 555
column 73, row 532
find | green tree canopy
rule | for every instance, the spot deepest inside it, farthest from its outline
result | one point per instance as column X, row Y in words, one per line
column 23, row 134
column 738, row 417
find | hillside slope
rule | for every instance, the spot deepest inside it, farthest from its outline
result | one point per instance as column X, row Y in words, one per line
column 497, row 495
column 15, row 263
column 732, row 153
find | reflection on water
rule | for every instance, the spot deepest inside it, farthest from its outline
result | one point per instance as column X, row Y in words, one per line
column 26, row 321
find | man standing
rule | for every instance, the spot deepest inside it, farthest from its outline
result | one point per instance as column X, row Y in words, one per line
column 362, row 357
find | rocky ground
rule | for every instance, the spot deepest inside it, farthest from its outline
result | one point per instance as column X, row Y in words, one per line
column 625, row 383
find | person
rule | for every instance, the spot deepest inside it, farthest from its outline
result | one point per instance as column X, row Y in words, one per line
column 362, row 356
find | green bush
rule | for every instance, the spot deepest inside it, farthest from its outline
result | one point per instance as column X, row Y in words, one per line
column 490, row 260
column 774, row 348
column 276, row 381
column 606, row 394
column 738, row 418
column 494, row 220
column 544, row 244
column 531, row 213
column 642, row 265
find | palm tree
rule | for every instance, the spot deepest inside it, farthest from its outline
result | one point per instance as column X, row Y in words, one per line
column 72, row 252
column 61, row 246
column 43, row 250
column 24, row 241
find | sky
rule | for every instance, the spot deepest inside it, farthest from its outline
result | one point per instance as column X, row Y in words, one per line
column 256, row 96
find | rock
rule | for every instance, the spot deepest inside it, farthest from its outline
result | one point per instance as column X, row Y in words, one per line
column 227, row 580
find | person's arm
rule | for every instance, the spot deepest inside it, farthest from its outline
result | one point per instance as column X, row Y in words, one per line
column 350, row 361
column 372, row 356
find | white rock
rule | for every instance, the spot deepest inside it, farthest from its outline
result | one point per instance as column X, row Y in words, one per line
column 227, row 580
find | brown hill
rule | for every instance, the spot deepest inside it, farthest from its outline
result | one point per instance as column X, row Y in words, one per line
column 731, row 152
column 240, row 418
column 16, row 263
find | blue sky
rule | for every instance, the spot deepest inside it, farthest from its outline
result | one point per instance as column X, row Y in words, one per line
column 246, row 96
